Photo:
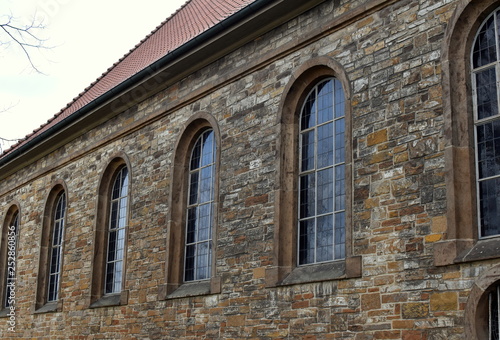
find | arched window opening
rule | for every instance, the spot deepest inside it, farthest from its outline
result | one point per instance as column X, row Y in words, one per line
column 116, row 232
column 485, row 75
column 199, row 214
column 56, row 248
column 322, row 194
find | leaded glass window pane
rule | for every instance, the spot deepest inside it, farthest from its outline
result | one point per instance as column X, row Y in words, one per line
column 485, row 71
column 116, row 232
column 321, row 234
column 485, row 45
column 486, row 92
column 56, row 248
column 199, row 214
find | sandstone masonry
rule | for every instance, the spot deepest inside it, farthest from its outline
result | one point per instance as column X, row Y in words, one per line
column 393, row 56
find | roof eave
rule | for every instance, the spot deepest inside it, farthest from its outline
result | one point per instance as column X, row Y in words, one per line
column 230, row 34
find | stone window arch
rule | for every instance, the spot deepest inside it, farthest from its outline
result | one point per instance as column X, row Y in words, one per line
column 320, row 77
column 110, row 245
column 483, row 301
column 190, row 264
column 48, row 297
column 464, row 96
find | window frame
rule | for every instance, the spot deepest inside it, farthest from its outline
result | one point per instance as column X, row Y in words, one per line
column 316, row 169
column 461, row 241
column 98, row 295
column 118, row 176
column 483, row 121
column 285, row 269
column 42, row 303
column 175, row 286
column 197, row 204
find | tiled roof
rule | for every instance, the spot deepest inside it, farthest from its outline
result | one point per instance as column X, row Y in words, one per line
column 192, row 19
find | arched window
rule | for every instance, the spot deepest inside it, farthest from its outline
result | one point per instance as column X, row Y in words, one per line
column 111, row 235
column 199, row 221
column 493, row 316
column 116, row 232
column 322, row 175
column 482, row 318
column 192, row 220
column 56, row 248
column 51, row 251
column 471, row 66
column 313, row 230
column 485, row 76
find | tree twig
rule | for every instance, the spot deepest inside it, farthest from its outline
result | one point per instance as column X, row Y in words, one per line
column 22, row 36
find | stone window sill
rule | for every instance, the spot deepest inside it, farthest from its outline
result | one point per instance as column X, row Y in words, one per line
column 342, row 269
column 198, row 288
column 483, row 250
column 50, row 307
column 4, row 313
column 464, row 251
column 119, row 299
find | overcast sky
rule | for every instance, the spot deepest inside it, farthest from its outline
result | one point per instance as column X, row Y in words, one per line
column 85, row 38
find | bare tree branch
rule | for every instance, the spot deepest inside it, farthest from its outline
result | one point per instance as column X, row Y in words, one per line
column 6, row 141
column 24, row 36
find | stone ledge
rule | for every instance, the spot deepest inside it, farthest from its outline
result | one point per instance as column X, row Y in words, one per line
column 463, row 251
column 483, row 250
column 50, row 307
column 198, row 288
column 347, row 268
column 119, row 299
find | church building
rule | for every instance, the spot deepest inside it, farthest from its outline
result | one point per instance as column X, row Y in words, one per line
column 268, row 169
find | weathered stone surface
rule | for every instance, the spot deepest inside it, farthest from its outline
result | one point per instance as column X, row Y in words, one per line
column 391, row 53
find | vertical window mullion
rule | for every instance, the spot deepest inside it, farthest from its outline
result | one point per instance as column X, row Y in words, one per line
column 316, row 193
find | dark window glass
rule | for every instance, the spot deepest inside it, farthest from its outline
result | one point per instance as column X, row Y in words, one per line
column 493, row 321
column 116, row 233
column 199, row 221
column 322, row 175
column 485, row 70
column 56, row 248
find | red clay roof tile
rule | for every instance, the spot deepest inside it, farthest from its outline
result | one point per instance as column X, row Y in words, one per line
column 192, row 19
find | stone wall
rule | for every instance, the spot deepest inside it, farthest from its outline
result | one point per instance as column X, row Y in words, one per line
column 390, row 52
